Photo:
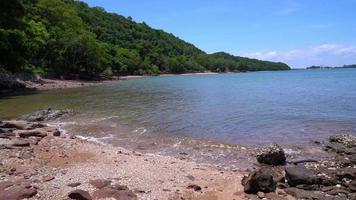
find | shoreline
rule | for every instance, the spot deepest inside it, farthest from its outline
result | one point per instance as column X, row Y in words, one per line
column 43, row 84
column 41, row 161
column 59, row 160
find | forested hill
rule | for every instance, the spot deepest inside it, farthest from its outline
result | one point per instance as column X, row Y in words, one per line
column 70, row 39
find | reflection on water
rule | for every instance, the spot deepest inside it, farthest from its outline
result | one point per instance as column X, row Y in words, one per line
column 290, row 108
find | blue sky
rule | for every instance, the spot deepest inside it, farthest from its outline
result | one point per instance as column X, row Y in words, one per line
column 298, row 32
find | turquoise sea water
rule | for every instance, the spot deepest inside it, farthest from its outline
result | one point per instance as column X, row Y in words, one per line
column 288, row 107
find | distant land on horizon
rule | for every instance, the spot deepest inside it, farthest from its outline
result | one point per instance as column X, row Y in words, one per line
column 332, row 67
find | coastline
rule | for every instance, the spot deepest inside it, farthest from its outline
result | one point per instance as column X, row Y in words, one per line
column 59, row 160
column 42, row 84
column 41, row 161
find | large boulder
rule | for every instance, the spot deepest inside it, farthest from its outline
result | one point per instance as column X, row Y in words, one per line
column 271, row 155
column 261, row 180
column 299, row 175
column 47, row 115
column 9, row 83
column 347, row 140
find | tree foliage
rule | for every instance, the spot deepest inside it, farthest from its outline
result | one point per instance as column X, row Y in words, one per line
column 68, row 38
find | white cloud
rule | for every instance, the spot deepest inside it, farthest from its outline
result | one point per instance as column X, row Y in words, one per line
column 325, row 54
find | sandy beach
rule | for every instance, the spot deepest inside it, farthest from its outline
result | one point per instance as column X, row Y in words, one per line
column 56, row 162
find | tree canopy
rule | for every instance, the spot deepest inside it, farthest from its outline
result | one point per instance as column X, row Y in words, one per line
column 70, row 39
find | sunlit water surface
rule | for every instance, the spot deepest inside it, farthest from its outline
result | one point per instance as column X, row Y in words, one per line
column 186, row 113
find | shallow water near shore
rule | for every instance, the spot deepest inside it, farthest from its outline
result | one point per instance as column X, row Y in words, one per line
column 210, row 113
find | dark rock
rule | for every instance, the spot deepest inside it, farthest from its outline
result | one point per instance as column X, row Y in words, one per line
column 303, row 194
column 190, row 177
column 260, row 180
column 47, row 178
column 18, row 192
column 119, row 187
column 261, row 195
column 194, row 187
column 20, row 143
column 100, row 183
column 56, row 133
column 347, row 140
column 271, row 155
column 32, row 133
column 106, row 193
column 46, row 115
column 74, row 184
column 352, row 186
column 337, row 191
column 80, row 195
column 20, row 124
column 300, row 175
column 308, row 187
column 9, row 83
column 349, row 173
column 7, row 135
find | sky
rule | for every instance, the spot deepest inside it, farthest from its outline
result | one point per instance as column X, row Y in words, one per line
column 300, row 33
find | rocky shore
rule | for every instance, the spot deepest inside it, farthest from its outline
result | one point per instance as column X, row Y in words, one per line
column 38, row 161
column 332, row 179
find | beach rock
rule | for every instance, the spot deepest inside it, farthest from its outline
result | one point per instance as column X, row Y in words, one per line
column 261, row 195
column 17, row 124
column 299, row 175
column 303, row 194
column 7, row 135
column 56, row 133
column 110, row 193
column 347, row 140
column 74, row 184
column 20, row 143
column 260, row 180
column 46, row 115
column 18, row 192
column 271, row 155
column 31, row 133
column 47, row 178
column 119, row 187
column 194, row 187
column 100, row 183
column 79, row 195
column 341, row 149
column 349, row 173
column 337, row 191
column 352, row 186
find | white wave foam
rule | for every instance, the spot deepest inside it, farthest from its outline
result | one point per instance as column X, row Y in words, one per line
column 94, row 139
column 103, row 119
column 292, row 151
column 140, row 131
